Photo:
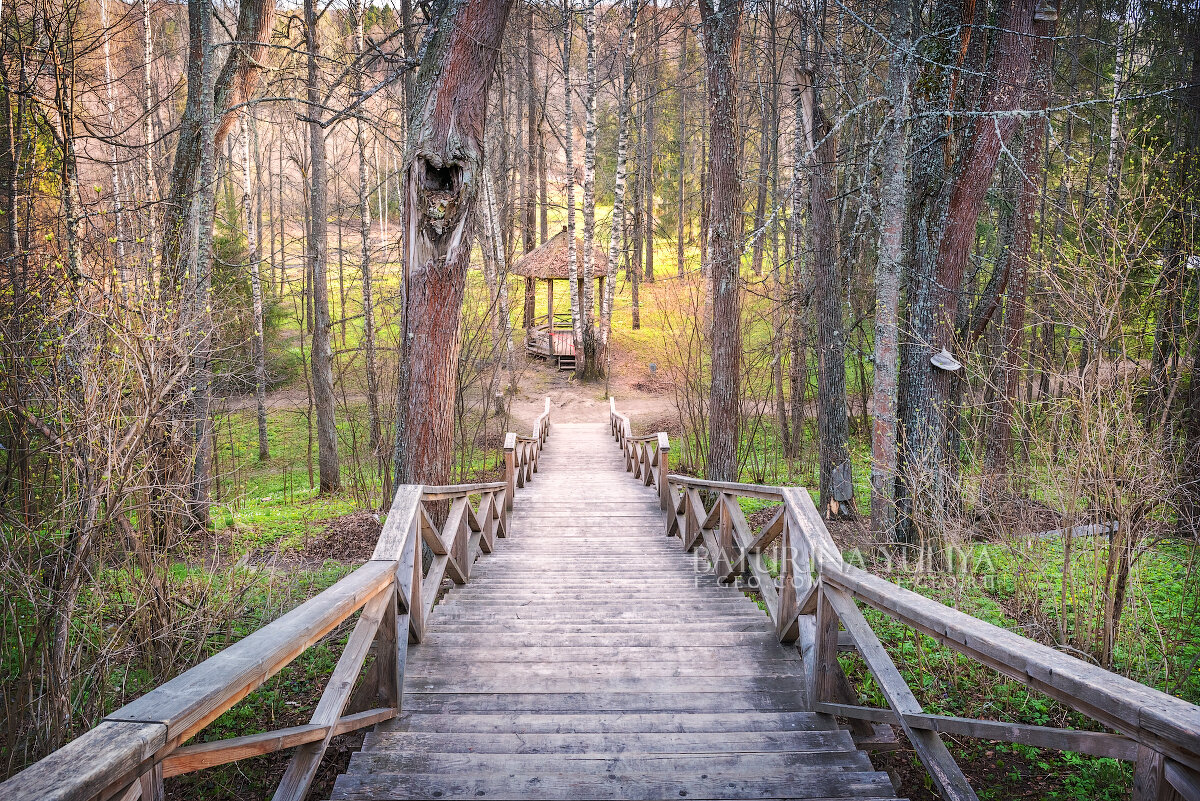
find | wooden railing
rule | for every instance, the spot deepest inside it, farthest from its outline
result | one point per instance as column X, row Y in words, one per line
column 521, row 453
column 130, row 753
column 814, row 602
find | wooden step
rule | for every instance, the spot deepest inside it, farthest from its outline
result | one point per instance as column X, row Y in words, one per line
column 795, row 742
column 613, row 783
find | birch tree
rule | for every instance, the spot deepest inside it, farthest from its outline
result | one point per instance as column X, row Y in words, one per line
column 256, row 298
column 616, row 235
column 568, row 24
column 587, row 367
column 364, row 232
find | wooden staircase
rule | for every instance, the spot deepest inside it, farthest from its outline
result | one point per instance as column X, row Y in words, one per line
column 587, row 658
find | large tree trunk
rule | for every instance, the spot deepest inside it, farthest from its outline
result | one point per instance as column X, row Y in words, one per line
column 893, row 202
column 588, row 366
column 765, row 146
column 1189, row 468
column 233, row 86
column 832, row 425
column 617, row 233
column 199, row 291
column 322, row 353
column 442, row 180
column 927, row 390
column 1017, row 263
column 722, row 37
column 543, row 173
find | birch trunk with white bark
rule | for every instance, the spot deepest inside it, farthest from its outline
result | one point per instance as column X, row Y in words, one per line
column 616, row 236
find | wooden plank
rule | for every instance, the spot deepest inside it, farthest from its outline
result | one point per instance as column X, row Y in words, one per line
column 612, row 723
column 485, row 674
column 1149, row 779
column 608, row 701
column 647, row 639
column 523, row 684
column 795, row 742
column 745, row 490
column 1185, row 782
column 406, row 504
column 1100, row 744
column 599, row 653
column 452, row 491
column 602, row 786
column 943, row 770
column 220, row 752
column 774, row 763
column 107, row 756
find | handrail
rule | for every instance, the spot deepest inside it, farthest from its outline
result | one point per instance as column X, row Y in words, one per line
column 815, row 595
column 647, row 457
column 521, row 453
column 132, row 750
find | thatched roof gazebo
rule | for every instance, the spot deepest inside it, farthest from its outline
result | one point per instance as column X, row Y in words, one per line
column 551, row 336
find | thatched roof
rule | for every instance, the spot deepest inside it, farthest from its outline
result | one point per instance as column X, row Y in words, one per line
column 550, row 259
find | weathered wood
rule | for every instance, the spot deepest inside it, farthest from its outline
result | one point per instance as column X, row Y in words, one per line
column 943, row 770
column 406, row 505
column 614, row 785
column 1100, row 744
column 452, row 491
column 761, row 491
column 106, row 757
column 1149, row 779
column 220, row 752
column 775, row 763
column 795, row 742
column 1186, row 783
column 188, row 702
column 623, row 723
column 303, row 766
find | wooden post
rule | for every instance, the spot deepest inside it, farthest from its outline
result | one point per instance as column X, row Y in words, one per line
column 1149, row 783
column 151, row 783
column 510, row 471
column 822, row 676
column 664, row 470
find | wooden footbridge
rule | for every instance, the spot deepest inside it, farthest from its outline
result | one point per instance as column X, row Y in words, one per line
column 581, row 654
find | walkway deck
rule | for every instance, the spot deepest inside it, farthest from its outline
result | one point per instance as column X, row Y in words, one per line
column 586, row 661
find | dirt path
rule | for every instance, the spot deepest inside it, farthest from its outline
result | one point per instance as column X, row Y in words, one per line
column 573, row 401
